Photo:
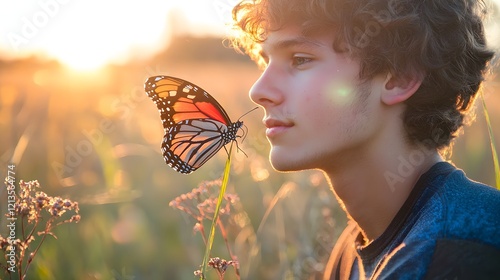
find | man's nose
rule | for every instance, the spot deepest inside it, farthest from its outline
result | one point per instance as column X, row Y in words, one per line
column 266, row 91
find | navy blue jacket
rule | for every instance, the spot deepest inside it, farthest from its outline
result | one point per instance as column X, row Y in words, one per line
column 448, row 228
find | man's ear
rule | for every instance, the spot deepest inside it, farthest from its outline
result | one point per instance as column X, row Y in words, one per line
column 398, row 89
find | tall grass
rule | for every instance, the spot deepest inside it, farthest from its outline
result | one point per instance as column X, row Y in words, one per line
column 496, row 165
column 123, row 184
column 215, row 219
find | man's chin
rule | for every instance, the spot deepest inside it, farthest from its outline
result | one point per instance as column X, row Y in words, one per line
column 283, row 165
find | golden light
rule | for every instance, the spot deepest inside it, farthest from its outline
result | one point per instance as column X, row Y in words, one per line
column 84, row 63
column 86, row 35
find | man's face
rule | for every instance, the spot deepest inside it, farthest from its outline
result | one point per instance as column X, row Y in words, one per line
column 317, row 112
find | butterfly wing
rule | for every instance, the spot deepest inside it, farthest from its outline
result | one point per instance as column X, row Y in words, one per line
column 196, row 126
column 191, row 143
column 179, row 100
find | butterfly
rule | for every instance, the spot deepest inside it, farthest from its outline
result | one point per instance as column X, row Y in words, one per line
column 196, row 126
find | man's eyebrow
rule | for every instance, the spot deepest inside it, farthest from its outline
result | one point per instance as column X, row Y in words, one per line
column 301, row 41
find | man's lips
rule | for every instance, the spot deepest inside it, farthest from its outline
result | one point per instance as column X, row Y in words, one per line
column 275, row 126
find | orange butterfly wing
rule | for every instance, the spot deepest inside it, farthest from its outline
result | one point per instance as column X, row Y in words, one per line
column 196, row 126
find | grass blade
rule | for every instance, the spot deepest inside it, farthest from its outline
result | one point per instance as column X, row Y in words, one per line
column 211, row 236
column 492, row 143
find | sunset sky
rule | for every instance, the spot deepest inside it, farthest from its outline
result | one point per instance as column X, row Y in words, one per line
column 88, row 34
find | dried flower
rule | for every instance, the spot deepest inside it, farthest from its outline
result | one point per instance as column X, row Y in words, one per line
column 200, row 203
column 28, row 209
column 221, row 265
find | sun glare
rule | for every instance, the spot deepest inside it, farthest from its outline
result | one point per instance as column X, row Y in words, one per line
column 86, row 35
column 83, row 63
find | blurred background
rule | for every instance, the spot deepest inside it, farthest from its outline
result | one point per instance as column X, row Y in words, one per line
column 74, row 116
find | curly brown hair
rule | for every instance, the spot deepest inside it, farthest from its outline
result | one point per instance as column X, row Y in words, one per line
column 443, row 40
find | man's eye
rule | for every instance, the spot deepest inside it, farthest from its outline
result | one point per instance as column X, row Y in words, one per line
column 299, row 60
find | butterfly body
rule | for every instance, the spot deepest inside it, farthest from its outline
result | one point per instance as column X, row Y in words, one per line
column 196, row 126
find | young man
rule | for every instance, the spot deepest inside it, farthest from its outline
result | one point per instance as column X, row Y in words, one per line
column 371, row 92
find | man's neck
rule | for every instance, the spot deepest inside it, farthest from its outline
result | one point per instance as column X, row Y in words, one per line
column 375, row 188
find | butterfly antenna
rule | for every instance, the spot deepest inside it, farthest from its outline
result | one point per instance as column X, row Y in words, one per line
column 245, row 133
column 227, row 152
column 248, row 112
column 238, row 149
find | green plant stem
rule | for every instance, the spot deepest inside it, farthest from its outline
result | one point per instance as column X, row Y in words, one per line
column 210, row 242
column 233, row 257
column 33, row 254
column 492, row 143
